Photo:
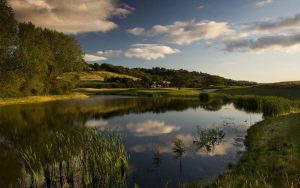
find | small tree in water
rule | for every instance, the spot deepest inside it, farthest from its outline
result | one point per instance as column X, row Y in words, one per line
column 208, row 138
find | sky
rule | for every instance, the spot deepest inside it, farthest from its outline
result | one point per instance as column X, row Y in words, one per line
column 256, row 40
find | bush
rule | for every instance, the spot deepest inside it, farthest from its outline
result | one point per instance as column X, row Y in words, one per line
column 204, row 97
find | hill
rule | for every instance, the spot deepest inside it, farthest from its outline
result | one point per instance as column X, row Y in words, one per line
column 162, row 77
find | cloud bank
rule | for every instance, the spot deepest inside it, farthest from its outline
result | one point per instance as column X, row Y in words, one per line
column 70, row 16
column 277, row 35
column 261, row 3
column 183, row 33
column 150, row 51
column 110, row 53
column 277, row 42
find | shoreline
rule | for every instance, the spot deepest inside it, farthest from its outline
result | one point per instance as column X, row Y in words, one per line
column 41, row 99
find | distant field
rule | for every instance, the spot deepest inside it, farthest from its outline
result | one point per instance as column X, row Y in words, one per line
column 93, row 76
column 274, row 90
column 170, row 92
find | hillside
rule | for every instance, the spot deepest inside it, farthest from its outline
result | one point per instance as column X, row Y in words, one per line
column 162, row 77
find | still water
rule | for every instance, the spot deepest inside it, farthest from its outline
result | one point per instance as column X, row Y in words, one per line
column 149, row 127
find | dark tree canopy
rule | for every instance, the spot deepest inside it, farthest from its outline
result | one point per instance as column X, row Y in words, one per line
column 32, row 58
column 8, row 28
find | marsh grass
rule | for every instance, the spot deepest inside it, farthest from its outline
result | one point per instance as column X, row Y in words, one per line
column 91, row 159
column 268, row 106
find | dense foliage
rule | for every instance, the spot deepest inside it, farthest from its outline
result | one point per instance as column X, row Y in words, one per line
column 169, row 77
column 31, row 58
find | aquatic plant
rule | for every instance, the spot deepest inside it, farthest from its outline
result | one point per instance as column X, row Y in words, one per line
column 157, row 155
column 32, row 165
column 208, row 138
column 104, row 160
column 178, row 148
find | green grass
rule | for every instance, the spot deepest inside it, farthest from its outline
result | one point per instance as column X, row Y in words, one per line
column 39, row 99
column 277, row 91
column 166, row 92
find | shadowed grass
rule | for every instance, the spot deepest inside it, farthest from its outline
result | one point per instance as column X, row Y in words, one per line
column 276, row 91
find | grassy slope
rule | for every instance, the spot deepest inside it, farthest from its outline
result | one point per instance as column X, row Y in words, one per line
column 93, row 76
column 38, row 99
column 287, row 92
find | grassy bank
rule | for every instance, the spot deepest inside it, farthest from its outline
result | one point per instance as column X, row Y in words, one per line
column 272, row 158
column 39, row 99
column 269, row 106
column 286, row 92
column 165, row 92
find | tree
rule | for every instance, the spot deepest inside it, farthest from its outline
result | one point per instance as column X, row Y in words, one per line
column 32, row 58
column 213, row 81
column 7, row 30
column 179, row 81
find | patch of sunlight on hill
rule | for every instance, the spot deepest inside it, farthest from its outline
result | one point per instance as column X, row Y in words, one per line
column 93, row 76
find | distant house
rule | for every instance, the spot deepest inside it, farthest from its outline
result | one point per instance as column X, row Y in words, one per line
column 155, row 85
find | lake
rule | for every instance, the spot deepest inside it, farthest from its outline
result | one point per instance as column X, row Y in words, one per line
column 149, row 127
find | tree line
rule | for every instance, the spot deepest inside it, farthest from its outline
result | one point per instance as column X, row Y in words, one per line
column 31, row 58
column 166, row 77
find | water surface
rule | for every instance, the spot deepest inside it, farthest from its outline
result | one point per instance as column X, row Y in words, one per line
column 149, row 125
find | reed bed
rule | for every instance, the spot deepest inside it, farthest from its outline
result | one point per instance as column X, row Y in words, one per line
column 90, row 159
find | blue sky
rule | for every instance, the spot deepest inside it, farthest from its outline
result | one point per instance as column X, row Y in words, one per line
column 256, row 40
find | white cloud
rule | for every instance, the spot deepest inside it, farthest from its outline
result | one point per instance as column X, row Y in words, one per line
column 110, row 53
column 93, row 58
column 185, row 32
column 150, row 51
column 70, row 16
column 151, row 128
column 261, row 3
